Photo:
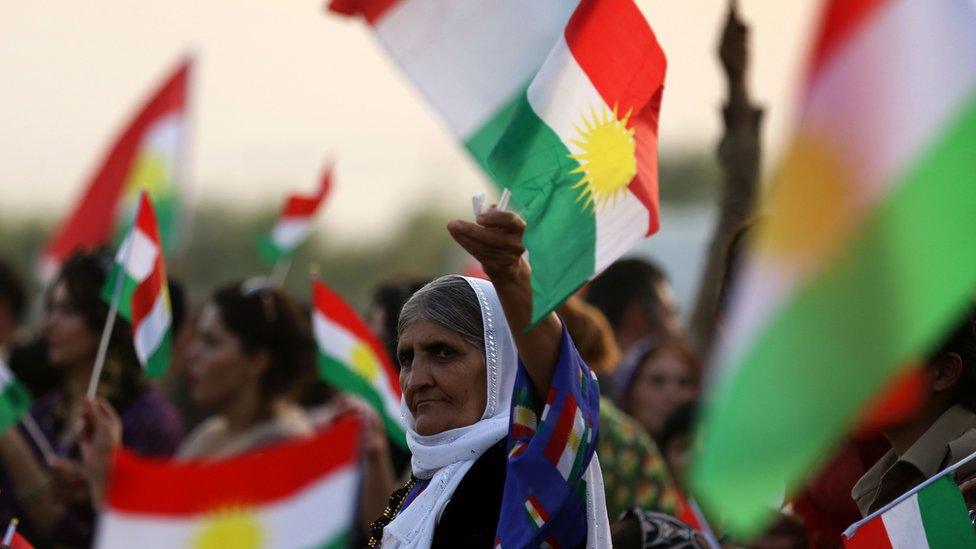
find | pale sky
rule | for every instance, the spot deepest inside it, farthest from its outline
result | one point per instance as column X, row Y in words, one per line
column 280, row 85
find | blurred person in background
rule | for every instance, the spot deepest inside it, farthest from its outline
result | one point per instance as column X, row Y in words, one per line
column 677, row 439
column 384, row 309
column 940, row 433
column 54, row 497
column 251, row 348
column 635, row 297
column 634, row 473
column 13, row 306
column 665, row 377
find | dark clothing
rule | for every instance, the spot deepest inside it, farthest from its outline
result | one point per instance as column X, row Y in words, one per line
column 471, row 517
column 150, row 426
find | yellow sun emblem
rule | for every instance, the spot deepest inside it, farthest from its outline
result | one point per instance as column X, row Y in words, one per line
column 363, row 361
column 607, row 160
column 230, row 527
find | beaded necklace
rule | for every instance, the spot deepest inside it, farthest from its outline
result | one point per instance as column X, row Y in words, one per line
column 392, row 507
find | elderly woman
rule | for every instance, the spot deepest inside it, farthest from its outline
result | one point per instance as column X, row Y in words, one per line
column 502, row 416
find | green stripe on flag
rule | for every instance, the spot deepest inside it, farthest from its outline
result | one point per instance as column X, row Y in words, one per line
column 944, row 515
column 15, row 401
column 159, row 360
column 887, row 298
column 481, row 143
column 340, row 541
column 561, row 235
column 337, row 373
column 268, row 251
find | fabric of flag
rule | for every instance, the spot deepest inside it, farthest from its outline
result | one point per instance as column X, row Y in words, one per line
column 20, row 542
column 302, row 493
column 15, row 400
column 580, row 153
column 863, row 258
column 295, row 222
column 352, row 359
column 148, row 155
column 144, row 294
column 935, row 517
column 471, row 59
column 545, row 488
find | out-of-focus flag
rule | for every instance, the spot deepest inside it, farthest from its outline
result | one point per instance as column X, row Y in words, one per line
column 580, row 152
column 143, row 291
column 352, row 359
column 294, row 223
column 148, row 155
column 471, row 59
column 15, row 401
column 863, row 258
column 934, row 517
column 302, row 493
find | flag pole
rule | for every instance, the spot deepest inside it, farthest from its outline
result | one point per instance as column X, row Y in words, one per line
column 8, row 536
column 113, row 312
column 36, row 435
column 852, row 529
column 279, row 272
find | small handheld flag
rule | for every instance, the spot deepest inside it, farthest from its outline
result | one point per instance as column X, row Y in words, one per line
column 294, row 223
column 138, row 287
column 352, row 358
column 14, row 399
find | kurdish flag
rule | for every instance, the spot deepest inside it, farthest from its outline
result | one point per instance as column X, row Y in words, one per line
column 580, row 154
column 144, row 292
column 148, row 155
column 471, row 59
column 296, row 494
column 352, row 359
column 295, row 222
column 864, row 256
column 934, row 517
column 14, row 399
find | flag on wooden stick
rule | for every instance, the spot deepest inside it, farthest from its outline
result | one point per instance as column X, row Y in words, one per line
column 294, row 223
column 143, row 292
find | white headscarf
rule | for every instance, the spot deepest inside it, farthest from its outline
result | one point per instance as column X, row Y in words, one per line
column 445, row 457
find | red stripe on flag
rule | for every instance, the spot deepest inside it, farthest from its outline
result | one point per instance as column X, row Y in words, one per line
column 871, row 535
column 165, row 487
column 90, row 224
column 616, row 48
column 299, row 205
column 841, row 20
column 371, row 10
column 560, row 435
column 613, row 44
column 332, row 306
column 145, row 294
column 537, row 505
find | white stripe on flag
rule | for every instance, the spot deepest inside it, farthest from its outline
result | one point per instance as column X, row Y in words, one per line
column 568, row 456
column 141, row 255
column 336, row 341
column 470, row 57
column 324, row 510
column 904, row 525
column 150, row 332
column 289, row 232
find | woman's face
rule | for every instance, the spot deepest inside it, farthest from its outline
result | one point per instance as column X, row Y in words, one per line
column 218, row 369
column 70, row 341
column 661, row 384
column 442, row 377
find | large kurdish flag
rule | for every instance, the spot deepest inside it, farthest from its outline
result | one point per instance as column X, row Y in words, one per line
column 580, row 155
column 864, row 256
column 294, row 223
column 935, row 517
column 352, row 358
column 471, row 59
column 297, row 494
column 148, row 155
column 14, row 399
column 143, row 297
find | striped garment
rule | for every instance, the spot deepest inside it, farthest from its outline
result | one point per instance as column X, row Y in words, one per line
column 545, row 492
